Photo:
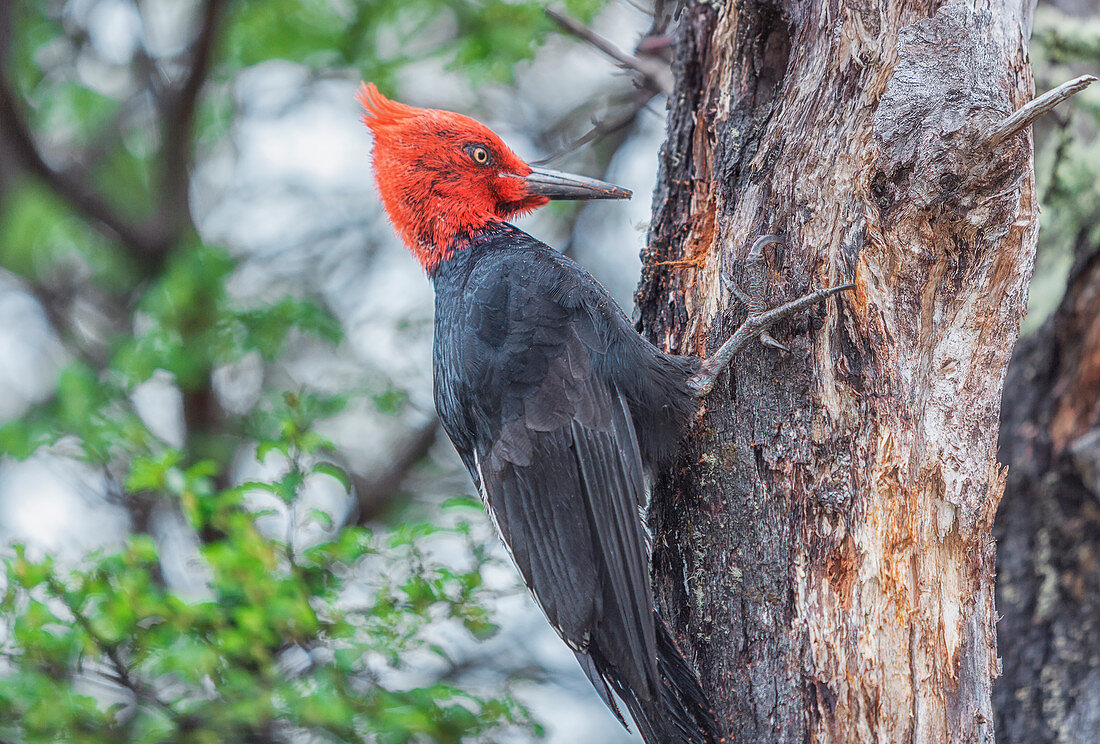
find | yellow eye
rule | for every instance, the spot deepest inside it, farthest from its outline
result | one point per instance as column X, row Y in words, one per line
column 480, row 155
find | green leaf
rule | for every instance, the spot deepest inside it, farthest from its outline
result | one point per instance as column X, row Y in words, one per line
column 39, row 233
column 391, row 402
column 322, row 518
column 148, row 473
column 334, row 471
column 463, row 501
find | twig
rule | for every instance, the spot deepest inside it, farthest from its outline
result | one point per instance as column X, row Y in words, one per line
column 1032, row 110
column 141, row 691
column 639, row 7
column 653, row 45
column 655, row 76
column 602, row 128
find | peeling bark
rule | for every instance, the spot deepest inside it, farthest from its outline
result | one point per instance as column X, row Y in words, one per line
column 1048, row 527
column 822, row 545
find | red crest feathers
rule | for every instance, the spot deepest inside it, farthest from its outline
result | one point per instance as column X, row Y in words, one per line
column 379, row 110
column 441, row 174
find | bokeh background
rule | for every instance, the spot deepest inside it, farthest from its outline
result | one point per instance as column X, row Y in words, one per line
column 227, row 512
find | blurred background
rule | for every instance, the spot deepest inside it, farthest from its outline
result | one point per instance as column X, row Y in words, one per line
column 227, row 512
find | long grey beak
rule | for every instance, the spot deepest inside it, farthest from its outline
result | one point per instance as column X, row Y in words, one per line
column 556, row 185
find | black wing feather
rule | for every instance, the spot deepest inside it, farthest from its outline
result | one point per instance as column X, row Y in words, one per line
column 563, row 482
column 612, row 476
column 541, row 383
column 546, row 534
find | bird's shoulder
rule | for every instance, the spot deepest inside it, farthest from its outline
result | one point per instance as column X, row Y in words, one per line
column 512, row 295
column 509, row 309
column 518, row 261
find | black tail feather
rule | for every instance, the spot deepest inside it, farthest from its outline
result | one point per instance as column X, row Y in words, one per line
column 681, row 715
column 684, row 701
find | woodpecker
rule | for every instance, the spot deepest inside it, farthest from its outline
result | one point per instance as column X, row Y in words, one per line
column 558, row 408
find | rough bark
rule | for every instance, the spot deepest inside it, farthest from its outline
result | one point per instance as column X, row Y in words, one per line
column 822, row 545
column 1048, row 527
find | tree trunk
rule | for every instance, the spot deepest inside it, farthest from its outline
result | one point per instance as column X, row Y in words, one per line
column 1048, row 578
column 822, row 544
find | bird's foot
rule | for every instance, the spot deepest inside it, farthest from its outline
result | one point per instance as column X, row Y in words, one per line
column 756, row 279
column 759, row 321
column 739, row 294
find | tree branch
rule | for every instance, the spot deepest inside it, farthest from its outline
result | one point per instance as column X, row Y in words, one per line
column 68, row 186
column 1032, row 110
column 655, row 76
column 372, row 493
column 178, row 113
column 604, row 127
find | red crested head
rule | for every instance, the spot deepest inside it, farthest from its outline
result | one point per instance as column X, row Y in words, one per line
column 442, row 174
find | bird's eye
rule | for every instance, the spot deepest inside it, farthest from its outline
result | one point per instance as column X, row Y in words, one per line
column 478, row 154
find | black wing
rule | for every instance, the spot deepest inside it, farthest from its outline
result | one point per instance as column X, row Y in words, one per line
column 552, row 446
column 564, row 482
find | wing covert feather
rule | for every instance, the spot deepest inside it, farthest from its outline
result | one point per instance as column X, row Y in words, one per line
column 565, row 482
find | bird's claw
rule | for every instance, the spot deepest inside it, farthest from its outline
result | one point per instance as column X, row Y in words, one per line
column 756, row 253
column 751, row 299
column 754, row 300
column 756, row 327
column 736, row 291
column 759, row 320
column 767, row 340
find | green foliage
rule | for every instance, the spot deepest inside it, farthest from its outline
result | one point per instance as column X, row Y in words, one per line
column 213, row 669
column 191, row 324
column 39, row 233
column 35, row 26
column 1067, row 162
column 1065, row 40
column 84, row 405
column 354, row 609
column 484, row 38
column 285, row 640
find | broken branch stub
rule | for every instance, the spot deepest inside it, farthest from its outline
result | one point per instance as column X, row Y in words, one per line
column 1032, row 110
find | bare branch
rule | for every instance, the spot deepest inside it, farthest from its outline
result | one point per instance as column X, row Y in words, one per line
column 638, row 6
column 1032, row 110
column 604, row 127
column 178, row 112
column 371, row 494
column 655, row 76
column 68, row 186
column 655, row 44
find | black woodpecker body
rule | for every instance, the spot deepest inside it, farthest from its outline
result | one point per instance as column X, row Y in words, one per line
column 558, row 408
column 556, row 405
